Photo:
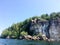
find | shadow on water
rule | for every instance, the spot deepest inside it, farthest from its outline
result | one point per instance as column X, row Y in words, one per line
column 42, row 43
column 38, row 43
column 27, row 42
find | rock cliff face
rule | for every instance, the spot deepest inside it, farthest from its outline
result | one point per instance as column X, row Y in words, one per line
column 55, row 29
column 49, row 28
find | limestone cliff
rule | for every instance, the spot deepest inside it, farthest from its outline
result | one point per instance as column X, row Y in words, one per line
column 49, row 28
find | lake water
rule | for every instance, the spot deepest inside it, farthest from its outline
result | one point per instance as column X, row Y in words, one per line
column 26, row 42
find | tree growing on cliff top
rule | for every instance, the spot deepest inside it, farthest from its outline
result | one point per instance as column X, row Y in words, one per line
column 20, row 28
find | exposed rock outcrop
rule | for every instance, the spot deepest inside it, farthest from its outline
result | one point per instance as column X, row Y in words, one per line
column 55, row 29
column 49, row 28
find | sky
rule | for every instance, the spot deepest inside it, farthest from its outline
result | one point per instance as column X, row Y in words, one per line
column 13, row 11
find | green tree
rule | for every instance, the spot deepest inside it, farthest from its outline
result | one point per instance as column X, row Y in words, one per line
column 45, row 16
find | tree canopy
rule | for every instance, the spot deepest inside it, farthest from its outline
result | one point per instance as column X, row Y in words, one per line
column 22, row 28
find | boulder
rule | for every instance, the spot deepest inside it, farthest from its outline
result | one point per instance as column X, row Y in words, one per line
column 28, row 37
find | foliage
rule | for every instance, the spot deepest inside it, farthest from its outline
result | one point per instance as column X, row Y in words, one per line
column 45, row 16
column 22, row 28
column 23, row 33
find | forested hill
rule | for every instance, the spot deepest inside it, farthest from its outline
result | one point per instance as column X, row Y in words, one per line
column 23, row 28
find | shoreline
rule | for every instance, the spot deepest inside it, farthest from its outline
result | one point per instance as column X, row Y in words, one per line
column 28, row 37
